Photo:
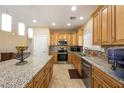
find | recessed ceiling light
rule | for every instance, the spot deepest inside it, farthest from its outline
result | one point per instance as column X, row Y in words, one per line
column 68, row 24
column 73, row 8
column 81, row 18
column 34, row 21
column 53, row 23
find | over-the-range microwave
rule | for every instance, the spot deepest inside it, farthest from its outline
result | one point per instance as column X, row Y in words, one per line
column 62, row 42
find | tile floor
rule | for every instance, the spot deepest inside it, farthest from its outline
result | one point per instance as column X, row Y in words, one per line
column 61, row 78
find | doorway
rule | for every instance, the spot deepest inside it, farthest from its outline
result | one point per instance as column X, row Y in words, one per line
column 40, row 44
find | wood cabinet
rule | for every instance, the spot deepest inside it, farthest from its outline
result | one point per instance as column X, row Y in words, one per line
column 54, row 53
column 62, row 36
column 69, row 57
column 96, row 29
column 106, row 25
column 73, row 39
column 43, row 77
column 76, row 61
column 118, row 24
column 68, row 37
column 53, row 38
column 101, row 80
column 80, row 37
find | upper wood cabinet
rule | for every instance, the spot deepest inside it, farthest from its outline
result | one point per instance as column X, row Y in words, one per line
column 80, row 37
column 53, row 38
column 62, row 36
column 106, row 19
column 73, row 39
column 108, row 25
column 118, row 24
column 96, row 29
column 68, row 37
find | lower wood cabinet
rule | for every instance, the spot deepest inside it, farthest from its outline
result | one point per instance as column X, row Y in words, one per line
column 102, row 80
column 69, row 57
column 76, row 61
column 54, row 53
column 43, row 77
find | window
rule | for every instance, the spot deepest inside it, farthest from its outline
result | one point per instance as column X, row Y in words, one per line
column 21, row 29
column 30, row 32
column 6, row 22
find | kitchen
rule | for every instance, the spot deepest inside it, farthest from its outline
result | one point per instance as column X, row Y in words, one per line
column 76, row 50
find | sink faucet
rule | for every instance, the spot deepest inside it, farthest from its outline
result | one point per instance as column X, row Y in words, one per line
column 86, row 51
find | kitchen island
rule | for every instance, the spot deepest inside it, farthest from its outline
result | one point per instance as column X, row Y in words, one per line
column 12, row 76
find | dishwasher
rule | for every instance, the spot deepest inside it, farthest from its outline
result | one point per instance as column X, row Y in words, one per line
column 86, row 71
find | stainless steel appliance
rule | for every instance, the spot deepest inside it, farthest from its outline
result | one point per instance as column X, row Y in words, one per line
column 62, row 55
column 86, row 73
column 76, row 48
column 116, row 59
column 62, row 42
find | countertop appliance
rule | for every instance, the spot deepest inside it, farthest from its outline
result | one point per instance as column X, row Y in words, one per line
column 116, row 59
column 76, row 48
column 62, row 43
column 86, row 71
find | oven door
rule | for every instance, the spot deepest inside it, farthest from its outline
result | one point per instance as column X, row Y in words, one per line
column 62, row 57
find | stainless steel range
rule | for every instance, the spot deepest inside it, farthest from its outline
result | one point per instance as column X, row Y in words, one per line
column 62, row 55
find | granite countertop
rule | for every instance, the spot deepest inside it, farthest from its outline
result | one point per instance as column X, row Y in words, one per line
column 103, row 65
column 12, row 76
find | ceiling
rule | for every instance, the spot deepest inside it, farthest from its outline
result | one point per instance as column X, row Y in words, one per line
column 46, row 14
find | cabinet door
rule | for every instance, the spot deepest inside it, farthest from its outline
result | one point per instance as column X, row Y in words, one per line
column 101, row 79
column 118, row 34
column 106, row 25
column 53, row 38
column 68, row 37
column 80, row 37
column 55, row 56
column 96, row 83
column 74, row 38
column 96, row 29
column 69, row 57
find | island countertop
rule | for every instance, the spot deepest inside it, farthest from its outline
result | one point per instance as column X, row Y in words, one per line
column 12, row 76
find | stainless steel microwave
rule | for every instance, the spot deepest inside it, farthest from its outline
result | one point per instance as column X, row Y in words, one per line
column 62, row 42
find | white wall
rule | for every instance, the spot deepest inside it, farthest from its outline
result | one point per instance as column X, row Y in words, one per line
column 9, row 40
column 88, row 42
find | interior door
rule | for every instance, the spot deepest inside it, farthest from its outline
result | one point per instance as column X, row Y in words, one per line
column 40, row 45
